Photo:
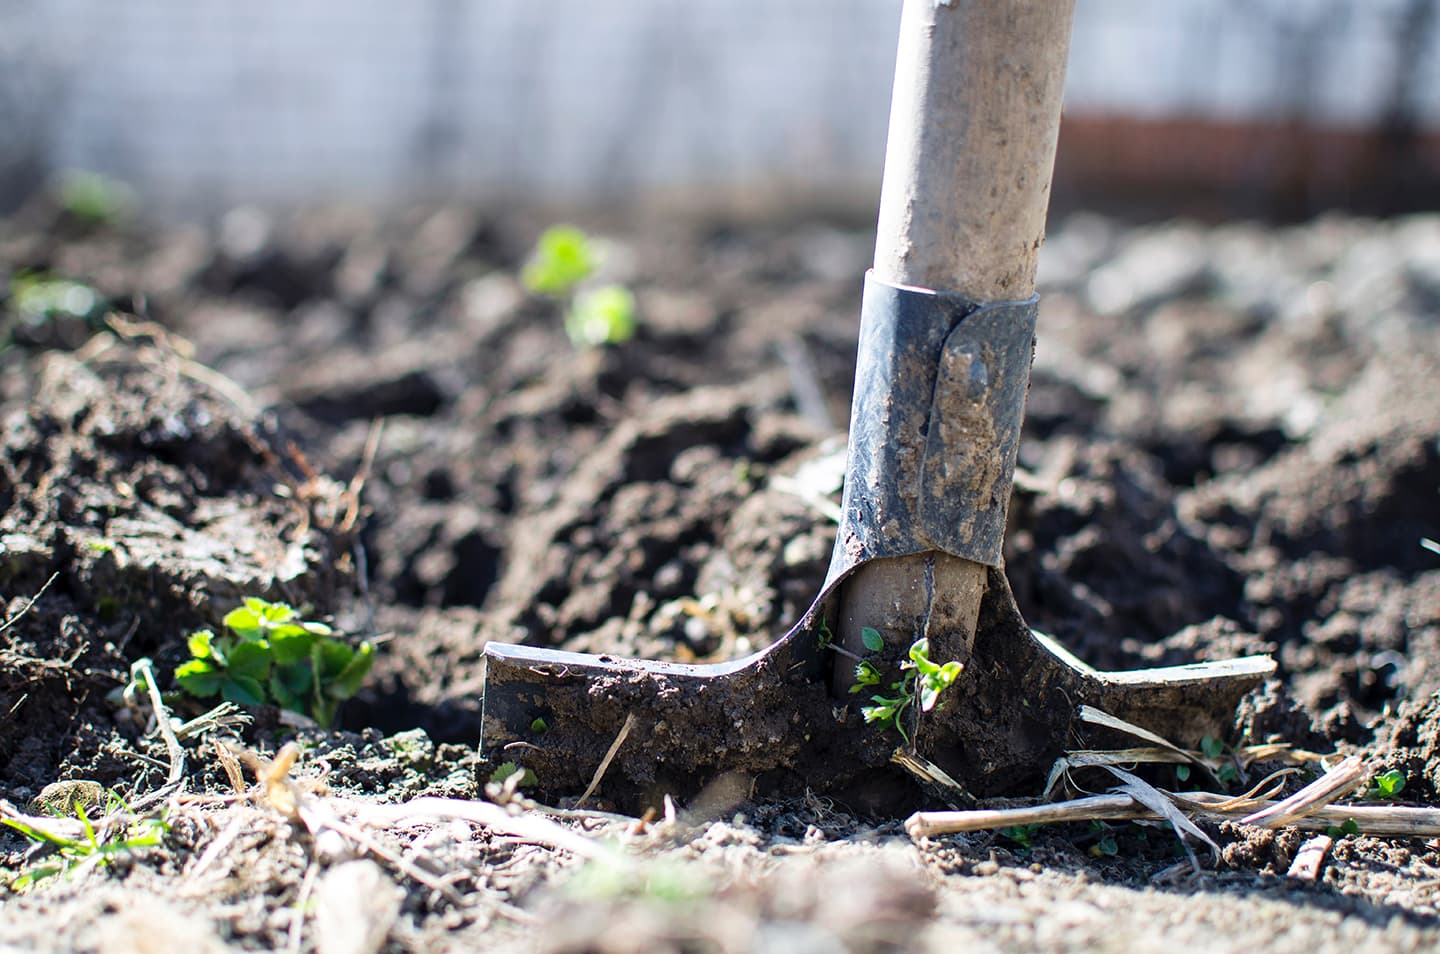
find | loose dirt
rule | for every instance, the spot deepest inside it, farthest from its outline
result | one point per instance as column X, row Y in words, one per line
column 1232, row 446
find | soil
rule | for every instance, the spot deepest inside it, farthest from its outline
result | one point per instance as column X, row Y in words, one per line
column 1232, row 446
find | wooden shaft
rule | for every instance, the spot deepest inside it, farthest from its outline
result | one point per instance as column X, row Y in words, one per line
column 973, row 122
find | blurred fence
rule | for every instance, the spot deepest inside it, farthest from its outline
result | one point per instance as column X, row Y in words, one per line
column 201, row 105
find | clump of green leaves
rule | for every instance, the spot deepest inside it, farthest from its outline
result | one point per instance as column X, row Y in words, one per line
column 92, row 848
column 922, row 680
column 269, row 654
column 564, row 257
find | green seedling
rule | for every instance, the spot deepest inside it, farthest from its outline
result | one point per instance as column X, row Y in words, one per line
column 922, row 681
column 505, row 770
column 1387, row 785
column 563, row 258
column 269, row 654
column 1022, row 835
column 601, row 316
column 38, row 296
column 872, row 639
column 94, row 848
column 1106, row 845
column 866, row 675
column 1213, row 748
column 95, row 199
column 1349, row 827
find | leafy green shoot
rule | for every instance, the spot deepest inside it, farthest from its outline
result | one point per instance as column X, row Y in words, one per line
column 601, row 316
column 268, row 654
column 94, row 199
column 95, row 847
column 506, row 770
column 38, row 296
column 1022, row 835
column 563, row 258
column 1387, row 785
column 922, row 680
column 1349, row 827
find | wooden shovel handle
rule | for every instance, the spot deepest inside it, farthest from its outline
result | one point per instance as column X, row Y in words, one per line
column 973, row 123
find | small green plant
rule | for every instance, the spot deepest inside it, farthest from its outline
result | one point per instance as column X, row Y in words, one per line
column 601, row 316
column 563, row 258
column 269, row 654
column 1214, row 748
column 94, row 199
column 866, row 675
column 1387, row 785
column 1106, row 845
column 921, row 681
column 93, row 848
column 39, row 296
column 1349, row 827
column 506, row 770
column 1022, row 835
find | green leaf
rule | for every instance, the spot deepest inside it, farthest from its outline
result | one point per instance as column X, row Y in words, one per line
column 879, row 713
column 201, row 646
column 1389, row 784
column 506, row 769
column 929, row 695
column 251, row 660
column 243, row 622
column 1020, row 834
column 1107, row 846
column 199, row 678
column 329, row 657
column 290, row 686
column 349, row 680
column 1182, row 773
column 563, row 258
column 872, row 639
column 291, row 643
column 1350, row 827
column 1212, row 747
column 601, row 316
column 539, row 725
column 243, row 690
column 275, row 613
column 319, row 629
column 920, row 657
column 865, row 675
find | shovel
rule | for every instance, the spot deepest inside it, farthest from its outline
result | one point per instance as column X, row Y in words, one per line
column 915, row 579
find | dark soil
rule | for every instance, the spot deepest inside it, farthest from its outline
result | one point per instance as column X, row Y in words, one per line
column 1232, row 446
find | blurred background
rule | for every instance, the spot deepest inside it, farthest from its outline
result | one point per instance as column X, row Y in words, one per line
column 1271, row 108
